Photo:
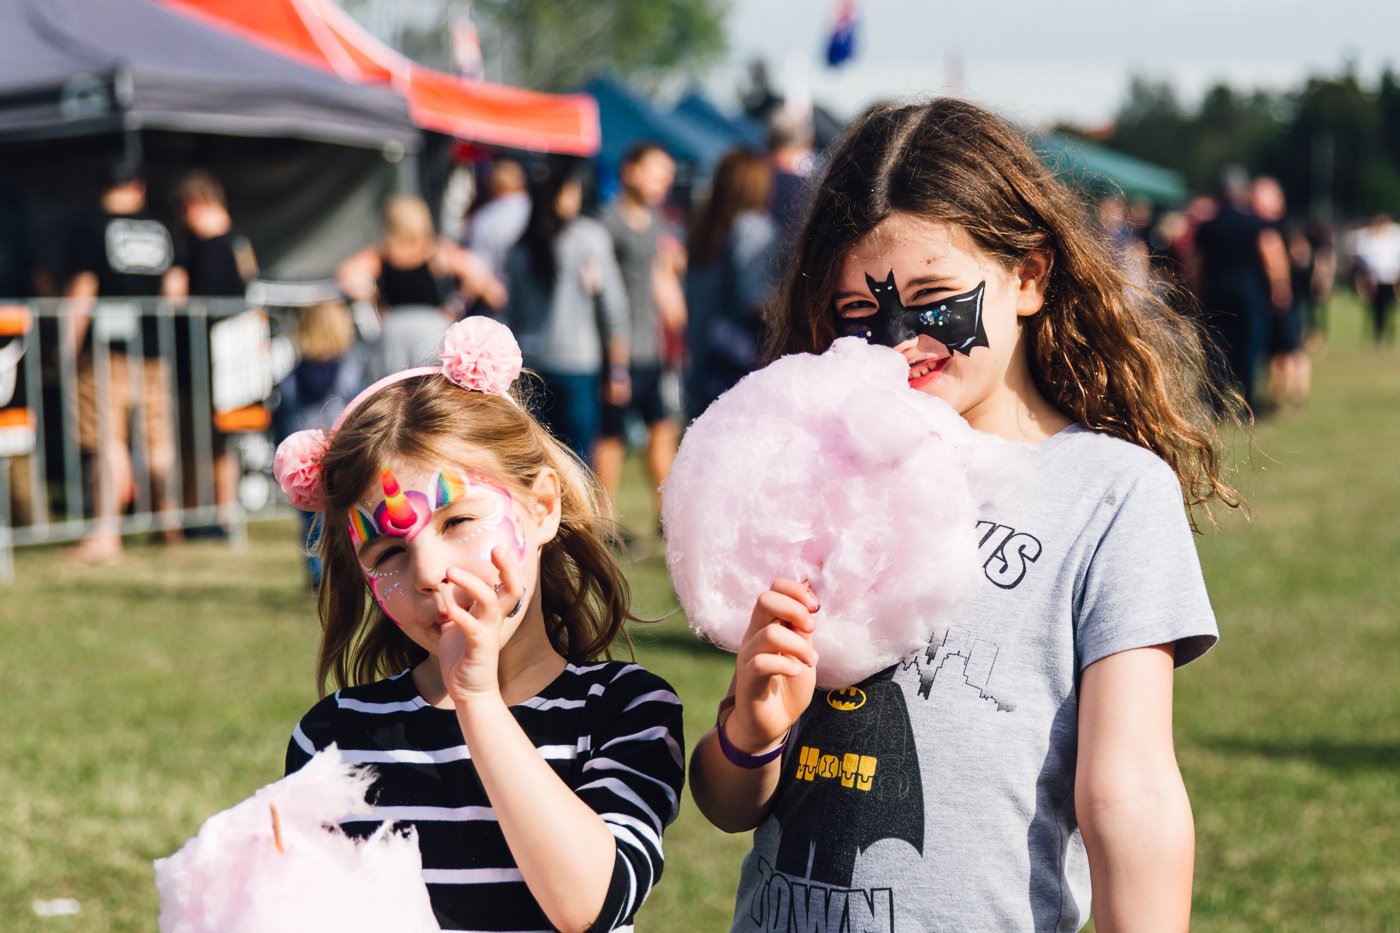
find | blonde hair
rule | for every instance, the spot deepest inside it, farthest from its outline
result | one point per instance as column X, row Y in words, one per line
column 324, row 331
column 429, row 419
column 408, row 225
column 1107, row 353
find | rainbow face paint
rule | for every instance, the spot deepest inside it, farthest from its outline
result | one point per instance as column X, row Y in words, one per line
column 425, row 524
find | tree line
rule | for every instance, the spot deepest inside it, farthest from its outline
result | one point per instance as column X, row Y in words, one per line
column 1334, row 143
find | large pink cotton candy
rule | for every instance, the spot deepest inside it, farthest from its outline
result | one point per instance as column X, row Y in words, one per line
column 831, row 469
column 231, row 878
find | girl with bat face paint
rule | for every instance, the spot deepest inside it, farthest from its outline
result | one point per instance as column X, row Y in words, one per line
column 1041, row 721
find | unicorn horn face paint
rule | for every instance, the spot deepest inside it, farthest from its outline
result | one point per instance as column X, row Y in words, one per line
column 424, row 524
column 401, row 514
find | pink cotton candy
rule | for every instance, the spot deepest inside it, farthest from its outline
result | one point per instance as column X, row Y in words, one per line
column 831, row 469
column 232, row 878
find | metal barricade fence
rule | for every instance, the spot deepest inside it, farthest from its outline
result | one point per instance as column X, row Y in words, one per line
column 125, row 429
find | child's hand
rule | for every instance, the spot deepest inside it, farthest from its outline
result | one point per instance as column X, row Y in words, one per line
column 776, row 667
column 471, row 641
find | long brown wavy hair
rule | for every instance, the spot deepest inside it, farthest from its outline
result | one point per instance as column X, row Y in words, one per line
column 1104, row 351
column 743, row 181
column 428, row 419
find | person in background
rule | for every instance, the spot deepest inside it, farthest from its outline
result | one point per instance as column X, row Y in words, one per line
column 217, row 264
column 1318, row 242
column 327, row 375
column 1377, row 250
column 1290, row 369
column 1118, row 226
column 1241, row 271
column 418, row 280
column 731, row 274
column 496, row 226
column 789, row 143
column 568, row 307
column 656, row 308
column 124, row 259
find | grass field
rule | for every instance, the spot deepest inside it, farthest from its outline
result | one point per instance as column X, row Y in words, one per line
column 140, row 700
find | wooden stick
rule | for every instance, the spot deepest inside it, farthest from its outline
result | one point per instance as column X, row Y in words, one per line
column 277, row 829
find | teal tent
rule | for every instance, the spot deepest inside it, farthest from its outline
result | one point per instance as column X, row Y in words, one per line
column 1104, row 171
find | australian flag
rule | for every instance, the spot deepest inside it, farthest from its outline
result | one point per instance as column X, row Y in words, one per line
column 842, row 44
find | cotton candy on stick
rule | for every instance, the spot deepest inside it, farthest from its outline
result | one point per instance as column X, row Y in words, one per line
column 831, row 469
column 276, row 863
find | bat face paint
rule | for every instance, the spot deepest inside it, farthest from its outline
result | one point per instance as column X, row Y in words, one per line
column 955, row 322
column 451, row 518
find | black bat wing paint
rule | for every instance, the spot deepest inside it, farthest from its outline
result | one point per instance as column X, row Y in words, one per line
column 955, row 322
column 851, row 778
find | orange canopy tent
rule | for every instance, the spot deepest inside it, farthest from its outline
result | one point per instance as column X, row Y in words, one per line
column 319, row 33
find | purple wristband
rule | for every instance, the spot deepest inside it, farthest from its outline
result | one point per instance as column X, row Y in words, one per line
column 742, row 759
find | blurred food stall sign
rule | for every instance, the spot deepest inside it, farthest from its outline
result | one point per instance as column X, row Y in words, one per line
column 16, row 417
column 240, row 354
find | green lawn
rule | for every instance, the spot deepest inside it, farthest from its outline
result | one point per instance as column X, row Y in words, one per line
column 140, row 700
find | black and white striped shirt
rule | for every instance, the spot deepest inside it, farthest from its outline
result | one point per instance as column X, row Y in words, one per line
column 611, row 730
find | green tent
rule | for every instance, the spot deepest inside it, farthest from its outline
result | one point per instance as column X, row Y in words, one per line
column 1103, row 171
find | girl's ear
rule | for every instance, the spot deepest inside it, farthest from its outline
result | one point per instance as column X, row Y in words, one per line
column 1032, row 278
column 544, row 504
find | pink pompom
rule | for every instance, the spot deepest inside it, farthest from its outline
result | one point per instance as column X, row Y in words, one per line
column 297, row 469
column 479, row 353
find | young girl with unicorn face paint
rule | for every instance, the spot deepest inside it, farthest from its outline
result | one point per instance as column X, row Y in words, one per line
column 466, row 599
column 1019, row 772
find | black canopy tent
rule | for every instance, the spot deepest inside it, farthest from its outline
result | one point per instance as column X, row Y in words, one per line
column 305, row 156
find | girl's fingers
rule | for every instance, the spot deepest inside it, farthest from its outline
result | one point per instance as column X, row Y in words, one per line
column 776, row 638
column 481, row 593
column 774, row 605
column 775, row 665
column 512, row 587
column 798, row 590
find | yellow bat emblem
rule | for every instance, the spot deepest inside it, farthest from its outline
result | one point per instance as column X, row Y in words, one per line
column 846, row 699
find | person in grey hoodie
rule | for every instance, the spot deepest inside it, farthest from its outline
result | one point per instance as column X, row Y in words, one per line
column 568, row 307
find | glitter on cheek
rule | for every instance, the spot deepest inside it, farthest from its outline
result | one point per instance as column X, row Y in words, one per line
column 386, row 586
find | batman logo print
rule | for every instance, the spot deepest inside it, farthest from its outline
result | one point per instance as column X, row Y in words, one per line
column 955, row 322
column 846, row 699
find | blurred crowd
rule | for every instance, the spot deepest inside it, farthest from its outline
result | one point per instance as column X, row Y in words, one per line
column 633, row 314
column 1260, row 278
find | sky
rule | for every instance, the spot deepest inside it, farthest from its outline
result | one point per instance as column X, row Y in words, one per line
column 1041, row 62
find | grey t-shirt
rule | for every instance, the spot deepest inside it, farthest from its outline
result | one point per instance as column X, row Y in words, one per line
column 558, row 324
column 636, row 255
column 939, row 794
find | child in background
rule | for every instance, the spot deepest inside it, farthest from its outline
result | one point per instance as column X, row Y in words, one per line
column 328, row 373
column 466, row 600
column 985, row 781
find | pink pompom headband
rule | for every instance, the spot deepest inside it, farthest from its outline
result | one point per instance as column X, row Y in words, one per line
column 477, row 354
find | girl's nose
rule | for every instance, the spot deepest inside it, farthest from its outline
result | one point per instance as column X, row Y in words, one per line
column 429, row 569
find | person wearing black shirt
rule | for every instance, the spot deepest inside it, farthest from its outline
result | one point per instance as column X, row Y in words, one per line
column 124, row 259
column 218, row 264
column 1242, row 271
